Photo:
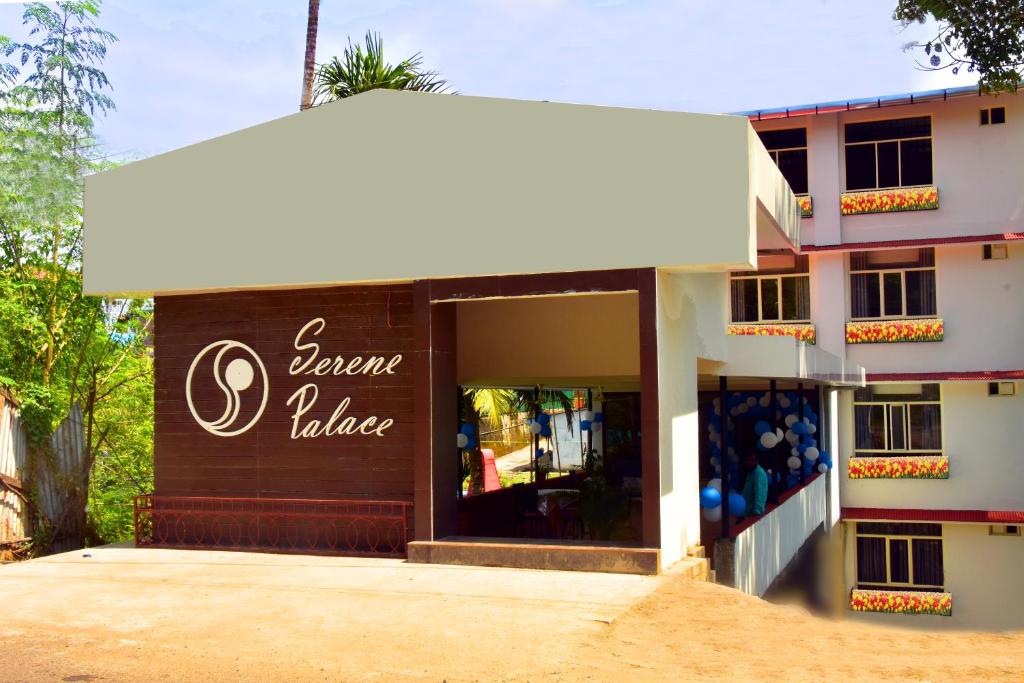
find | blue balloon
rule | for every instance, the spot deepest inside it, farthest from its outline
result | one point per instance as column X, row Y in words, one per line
column 737, row 505
column 799, row 428
column 470, row 444
column 546, row 431
column 466, row 429
column 598, row 417
column 540, row 452
column 585, row 425
column 761, row 427
column 710, row 497
column 544, row 418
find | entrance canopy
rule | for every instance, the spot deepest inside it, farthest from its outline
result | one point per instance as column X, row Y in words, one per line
column 396, row 186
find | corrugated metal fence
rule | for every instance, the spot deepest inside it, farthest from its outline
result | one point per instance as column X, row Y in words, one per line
column 58, row 479
column 13, row 465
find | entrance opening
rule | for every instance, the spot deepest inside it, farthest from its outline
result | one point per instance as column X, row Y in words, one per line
column 553, row 463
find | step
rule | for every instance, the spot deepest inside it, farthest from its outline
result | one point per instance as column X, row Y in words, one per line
column 536, row 554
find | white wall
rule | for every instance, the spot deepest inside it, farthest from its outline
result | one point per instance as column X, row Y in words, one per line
column 976, row 168
column 984, row 438
column 982, row 573
column 763, row 549
column 682, row 300
column 981, row 304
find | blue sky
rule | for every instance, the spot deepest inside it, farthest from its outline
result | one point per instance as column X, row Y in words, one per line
column 188, row 70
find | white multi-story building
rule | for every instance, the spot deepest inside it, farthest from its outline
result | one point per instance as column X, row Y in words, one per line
column 912, row 266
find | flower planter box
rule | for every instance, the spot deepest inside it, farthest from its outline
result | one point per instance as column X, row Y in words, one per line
column 800, row 331
column 911, row 467
column 924, row 198
column 892, row 331
column 806, row 205
column 901, row 602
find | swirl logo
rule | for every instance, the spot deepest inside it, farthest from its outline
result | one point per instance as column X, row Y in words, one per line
column 235, row 378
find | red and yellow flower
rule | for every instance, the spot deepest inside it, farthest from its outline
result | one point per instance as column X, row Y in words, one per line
column 806, row 205
column 910, row 467
column 885, row 331
column 887, row 201
column 800, row 331
column 901, row 602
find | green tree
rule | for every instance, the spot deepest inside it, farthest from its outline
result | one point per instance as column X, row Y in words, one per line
column 60, row 348
column 983, row 36
column 359, row 70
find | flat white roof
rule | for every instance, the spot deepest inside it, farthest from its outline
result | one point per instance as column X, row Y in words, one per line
column 396, row 186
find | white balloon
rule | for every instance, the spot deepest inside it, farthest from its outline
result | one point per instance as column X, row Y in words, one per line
column 461, row 440
column 768, row 440
column 790, row 419
column 716, row 484
column 811, row 429
column 807, row 420
column 587, row 415
column 714, row 461
column 765, row 400
column 536, row 427
column 811, row 453
column 751, row 401
column 734, row 412
column 713, row 514
column 742, row 408
column 715, row 402
column 783, row 401
column 792, row 437
column 793, row 462
column 822, row 467
column 780, row 434
column 795, row 452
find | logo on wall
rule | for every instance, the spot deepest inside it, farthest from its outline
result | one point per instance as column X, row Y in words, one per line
column 235, row 380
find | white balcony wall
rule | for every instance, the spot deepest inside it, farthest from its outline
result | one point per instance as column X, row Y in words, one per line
column 766, row 547
column 986, row 595
column 982, row 306
column 981, row 434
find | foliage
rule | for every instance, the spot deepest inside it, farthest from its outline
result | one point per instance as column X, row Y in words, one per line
column 986, row 36
column 61, row 347
column 360, row 70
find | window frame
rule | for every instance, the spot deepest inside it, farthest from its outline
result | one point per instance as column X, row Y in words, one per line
column 899, row 153
column 889, row 583
column 761, row 320
column 774, row 154
column 905, row 405
column 880, row 273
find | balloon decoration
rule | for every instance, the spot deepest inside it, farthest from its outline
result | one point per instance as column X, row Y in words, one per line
column 585, row 425
column 737, row 504
column 461, row 440
column 784, row 427
column 466, row 438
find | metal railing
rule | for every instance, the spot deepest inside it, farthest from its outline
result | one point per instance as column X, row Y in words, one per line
column 326, row 527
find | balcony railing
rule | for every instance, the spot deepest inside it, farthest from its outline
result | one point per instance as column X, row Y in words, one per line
column 804, row 332
column 920, row 198
column 892, row 331
column 330, row 527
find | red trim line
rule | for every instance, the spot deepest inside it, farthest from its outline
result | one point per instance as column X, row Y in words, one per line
column 923, row 242
column 896, row 515
column 977, row 375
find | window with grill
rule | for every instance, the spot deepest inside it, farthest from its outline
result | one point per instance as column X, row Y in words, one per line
column 897, row 420
column 896, row 283
column 889, row 154
column 778, row 291
column 899, row 555
column 788, row 148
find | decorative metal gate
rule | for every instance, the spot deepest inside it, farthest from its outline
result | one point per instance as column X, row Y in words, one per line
column 328, row 527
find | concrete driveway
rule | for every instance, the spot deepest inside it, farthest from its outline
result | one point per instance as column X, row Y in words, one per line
column 126, row 613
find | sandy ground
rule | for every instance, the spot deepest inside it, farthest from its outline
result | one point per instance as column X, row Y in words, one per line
column 126, row 614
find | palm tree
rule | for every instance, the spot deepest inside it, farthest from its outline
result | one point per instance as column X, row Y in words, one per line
column 491, row 405
column 309, row 65
column 359, row 70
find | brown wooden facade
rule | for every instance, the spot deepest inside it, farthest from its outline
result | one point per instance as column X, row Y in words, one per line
column 415, row 459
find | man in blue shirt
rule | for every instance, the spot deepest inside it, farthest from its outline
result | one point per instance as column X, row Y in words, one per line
column 755, row 489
